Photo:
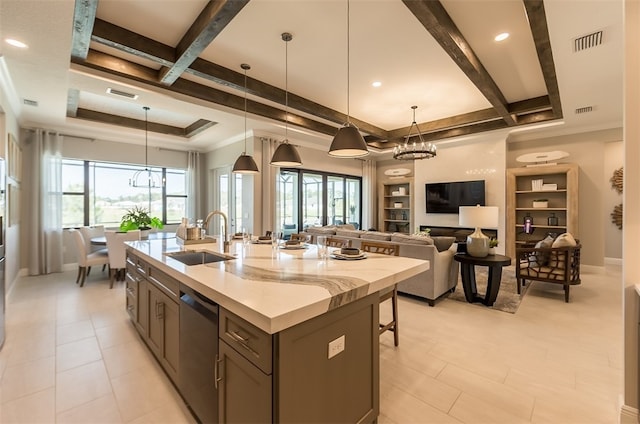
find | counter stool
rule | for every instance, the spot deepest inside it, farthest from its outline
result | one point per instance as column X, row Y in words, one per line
column 389, row 292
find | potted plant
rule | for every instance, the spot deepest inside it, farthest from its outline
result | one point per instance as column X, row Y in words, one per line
column 138, row 218
column 493, row 243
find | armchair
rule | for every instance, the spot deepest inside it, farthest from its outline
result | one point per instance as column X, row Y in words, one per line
column 559, row 265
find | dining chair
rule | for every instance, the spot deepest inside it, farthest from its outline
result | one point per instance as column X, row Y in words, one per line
column 389, row 292
column 338, row 242
column 87, row 234
column 86, row 260
column 117, row 252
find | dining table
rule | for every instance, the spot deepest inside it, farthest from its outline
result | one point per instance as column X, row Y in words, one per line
column 158, row 235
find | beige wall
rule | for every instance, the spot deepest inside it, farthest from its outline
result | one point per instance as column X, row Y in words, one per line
column 613, row 160
column 587, row 150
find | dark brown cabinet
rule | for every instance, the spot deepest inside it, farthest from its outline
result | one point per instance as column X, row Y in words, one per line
column 153, row 308
column 244, row 391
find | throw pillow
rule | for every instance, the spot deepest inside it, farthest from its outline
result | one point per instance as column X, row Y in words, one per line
column 541, row 258
column 564, row 240
column 411, row 239
column 348, row 233
column 321, row 230
column 443, row 243
column 375, row 235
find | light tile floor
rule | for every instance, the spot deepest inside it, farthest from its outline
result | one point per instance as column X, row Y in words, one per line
column 71, row 356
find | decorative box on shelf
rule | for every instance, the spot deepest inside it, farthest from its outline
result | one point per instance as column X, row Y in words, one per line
column 397, row 205
column 549, row 187
column 540, row 203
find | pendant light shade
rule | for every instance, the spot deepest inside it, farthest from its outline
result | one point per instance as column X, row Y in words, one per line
column 145, row 178
column 348, row 142
column 245, row 163
column 286, row 155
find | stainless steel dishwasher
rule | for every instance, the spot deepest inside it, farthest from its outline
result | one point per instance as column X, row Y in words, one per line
column 198, row 350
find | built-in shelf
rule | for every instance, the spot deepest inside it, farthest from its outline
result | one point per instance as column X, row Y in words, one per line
column 563, row 203
column 392, row 219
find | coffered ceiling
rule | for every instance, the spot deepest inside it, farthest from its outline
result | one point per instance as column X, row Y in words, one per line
column 182, row 59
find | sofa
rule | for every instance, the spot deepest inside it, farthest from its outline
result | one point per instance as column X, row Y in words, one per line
column 440, row 279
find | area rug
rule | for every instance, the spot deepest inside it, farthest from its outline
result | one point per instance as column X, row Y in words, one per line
column 508, row 299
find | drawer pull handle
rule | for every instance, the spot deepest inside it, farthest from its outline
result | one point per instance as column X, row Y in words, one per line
column 159, row 310
column 242, row 341
column 217, row 378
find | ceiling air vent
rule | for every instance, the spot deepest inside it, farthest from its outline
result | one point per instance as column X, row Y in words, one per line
column 587, row 41
column 585, row 109
column 30, row 102
column 122, row 93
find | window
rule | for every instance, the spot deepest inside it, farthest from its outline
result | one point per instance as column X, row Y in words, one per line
column 99, row 193
column 313, row 199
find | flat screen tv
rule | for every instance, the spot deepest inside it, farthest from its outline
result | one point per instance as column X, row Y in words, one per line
column 448, row 197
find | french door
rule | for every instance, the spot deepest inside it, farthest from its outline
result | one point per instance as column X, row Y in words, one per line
column 227, row 197
column 313, row 199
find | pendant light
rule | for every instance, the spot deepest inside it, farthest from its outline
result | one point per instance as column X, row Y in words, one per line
column 348, row 142
column 286, row 154
column 413, row 150
column 145, row 178
column 245, row 163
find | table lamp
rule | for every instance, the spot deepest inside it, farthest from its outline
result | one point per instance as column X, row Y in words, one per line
column 478, row 217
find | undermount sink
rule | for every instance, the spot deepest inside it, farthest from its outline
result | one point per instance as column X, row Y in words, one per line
column 192, row 257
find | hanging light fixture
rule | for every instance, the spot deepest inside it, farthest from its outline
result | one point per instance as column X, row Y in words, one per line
column 145, row 178
column 286, row 154
column 348, row 142
column 245, row 163
column 413, row 150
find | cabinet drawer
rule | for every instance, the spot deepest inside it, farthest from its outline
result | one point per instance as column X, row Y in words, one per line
column 131, row 285
column 137, row 264
column 168, row 285
column 132, row 308
column 247, row 339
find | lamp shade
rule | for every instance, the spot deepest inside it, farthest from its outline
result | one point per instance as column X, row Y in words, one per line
column 478, row 216
column 286, row 155
column 245, row 165
column 348, row 143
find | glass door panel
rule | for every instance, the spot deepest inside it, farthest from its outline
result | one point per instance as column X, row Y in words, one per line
column 335, row 200
column 312, row 200
column 287, row 204
column 353, row 202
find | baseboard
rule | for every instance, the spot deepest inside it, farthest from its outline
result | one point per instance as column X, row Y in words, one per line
column 613, row 261
column 592, row 269
column 628, row 415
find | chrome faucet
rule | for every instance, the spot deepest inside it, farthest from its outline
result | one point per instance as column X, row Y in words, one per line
column 225, row 243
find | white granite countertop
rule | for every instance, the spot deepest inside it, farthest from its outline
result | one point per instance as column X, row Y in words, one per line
column 275, row 293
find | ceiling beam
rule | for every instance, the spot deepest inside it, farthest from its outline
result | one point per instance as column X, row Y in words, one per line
column 121, row 121
column 212, row 20
column 132, row 43
column 84, row 13
column 433, row 16
column 122, row 68
column 143, row 47
column 538, row 24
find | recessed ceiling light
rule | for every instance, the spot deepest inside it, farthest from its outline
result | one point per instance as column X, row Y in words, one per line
column 502, row 36
column 376, row 84
column 15, row 43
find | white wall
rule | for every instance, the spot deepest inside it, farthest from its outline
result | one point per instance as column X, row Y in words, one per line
column 482, row 158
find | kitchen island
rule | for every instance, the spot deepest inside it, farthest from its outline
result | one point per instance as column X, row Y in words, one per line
column 298, row 335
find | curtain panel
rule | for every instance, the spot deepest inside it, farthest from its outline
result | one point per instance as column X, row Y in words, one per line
column 44, row 214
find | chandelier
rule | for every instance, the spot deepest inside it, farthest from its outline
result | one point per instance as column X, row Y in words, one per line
column 414, row 150
column 145, row 178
